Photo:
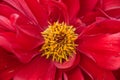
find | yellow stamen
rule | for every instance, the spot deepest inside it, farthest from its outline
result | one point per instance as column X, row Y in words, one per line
column 59, row 42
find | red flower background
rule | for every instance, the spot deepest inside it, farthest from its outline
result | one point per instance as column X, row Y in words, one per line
column 98, row 52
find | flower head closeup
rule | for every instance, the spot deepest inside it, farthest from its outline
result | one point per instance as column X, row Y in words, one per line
column 59, row 40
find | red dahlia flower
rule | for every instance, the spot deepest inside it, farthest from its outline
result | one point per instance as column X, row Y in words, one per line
column 46, row 40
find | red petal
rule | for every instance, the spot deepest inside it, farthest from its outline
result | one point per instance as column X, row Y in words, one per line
column 90, row 17
column 39, row 11
column 23, row 48
column 23, row 42
column 87, row 6
column 94, row 71
column 26, row 39
column 114, row 12
column 58, row 75
column 21, row 6
column 9, row 44
column 38, row 69
column 22, row 34
column 103, row 48
column 58, row 12
column 16, row 18
column 78, row 24
column 101, row 41
column 6, row 11
column 9, row 65
column 112, row 7
column 5, row 44
column 102, row 26
column 73, row 7
column 73, row 61
column 75, row 74
column 111, row 4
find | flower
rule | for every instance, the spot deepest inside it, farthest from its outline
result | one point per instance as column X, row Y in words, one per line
column 54, row 40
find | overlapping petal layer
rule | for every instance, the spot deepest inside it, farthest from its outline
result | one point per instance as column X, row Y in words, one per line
column 101, row 41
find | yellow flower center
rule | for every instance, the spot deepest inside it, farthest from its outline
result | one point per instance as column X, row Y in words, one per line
column 59, row 42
